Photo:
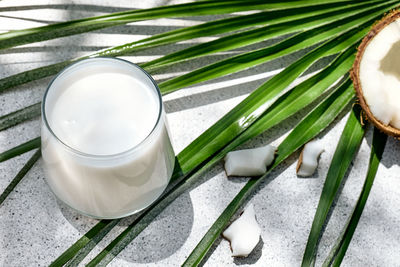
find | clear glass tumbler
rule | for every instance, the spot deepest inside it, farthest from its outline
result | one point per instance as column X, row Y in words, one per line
column 104, row 185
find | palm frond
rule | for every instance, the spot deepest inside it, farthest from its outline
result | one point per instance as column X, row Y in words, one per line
column 329, row 26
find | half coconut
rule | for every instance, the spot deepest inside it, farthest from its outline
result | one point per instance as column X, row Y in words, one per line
column 376, row 74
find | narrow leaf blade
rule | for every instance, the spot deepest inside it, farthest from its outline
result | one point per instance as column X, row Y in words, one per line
column 97, row 232
column 16, row 117
column 346, row 149
column 20, row 149
column 342, row 243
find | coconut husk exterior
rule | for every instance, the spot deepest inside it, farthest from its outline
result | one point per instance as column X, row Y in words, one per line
column 355, row 73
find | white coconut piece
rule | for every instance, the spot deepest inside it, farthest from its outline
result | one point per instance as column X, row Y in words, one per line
column 380, row 75
column 308, row 161
column 249, row 162
column 244, row 233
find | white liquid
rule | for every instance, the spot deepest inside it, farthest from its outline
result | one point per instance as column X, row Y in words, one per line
column 112, row 161
column 104, row 113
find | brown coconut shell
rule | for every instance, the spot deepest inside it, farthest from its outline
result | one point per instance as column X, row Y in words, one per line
column 355, row 72
column 300, row 161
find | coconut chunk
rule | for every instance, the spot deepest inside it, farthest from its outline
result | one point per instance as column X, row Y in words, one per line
column 308, row 161
column 244, row 233
column 249, row 162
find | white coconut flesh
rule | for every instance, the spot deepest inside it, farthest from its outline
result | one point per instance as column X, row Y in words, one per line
column 308, row 161
column 249, row 162
column 244, row 233
column 380, row 75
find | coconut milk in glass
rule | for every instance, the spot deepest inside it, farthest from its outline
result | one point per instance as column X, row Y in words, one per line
column 105, row 143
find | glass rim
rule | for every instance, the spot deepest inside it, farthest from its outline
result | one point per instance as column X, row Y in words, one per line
column 106, row 156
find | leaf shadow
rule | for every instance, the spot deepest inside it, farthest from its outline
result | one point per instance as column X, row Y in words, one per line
column 391, row 154
column 166, row 234
column 157, row 241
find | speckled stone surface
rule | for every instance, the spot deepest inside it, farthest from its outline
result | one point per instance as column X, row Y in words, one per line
column 35, row 228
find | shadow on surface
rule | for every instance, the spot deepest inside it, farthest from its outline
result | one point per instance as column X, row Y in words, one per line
column 161, row 239
column 165, row 235
column 29, row 19
column 253, row 257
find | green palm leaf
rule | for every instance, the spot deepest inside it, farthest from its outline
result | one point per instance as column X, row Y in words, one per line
column 339, row 249
column 336, row 25
column 346, row 150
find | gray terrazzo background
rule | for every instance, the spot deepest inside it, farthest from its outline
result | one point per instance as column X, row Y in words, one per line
column 35, row 228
